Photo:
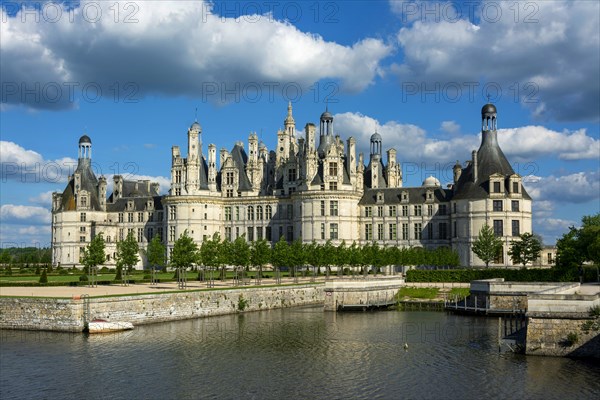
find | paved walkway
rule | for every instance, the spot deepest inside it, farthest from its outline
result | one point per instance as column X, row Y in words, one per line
column 105, row 290
column 589, row 288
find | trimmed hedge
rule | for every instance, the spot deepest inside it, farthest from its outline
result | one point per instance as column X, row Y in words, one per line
column 515, row 275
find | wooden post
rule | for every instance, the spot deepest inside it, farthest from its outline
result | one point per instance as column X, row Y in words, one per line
column 499, row 334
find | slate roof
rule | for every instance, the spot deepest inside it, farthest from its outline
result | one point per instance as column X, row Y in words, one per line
column 490, row 160
column 139, row 203
column 89, row 182
column 241, row 158
column 416, row 195
column 380, row 179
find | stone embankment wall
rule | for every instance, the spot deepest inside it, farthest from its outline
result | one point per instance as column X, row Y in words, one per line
column 68, row 314
column 353, row 293
column 550, row 337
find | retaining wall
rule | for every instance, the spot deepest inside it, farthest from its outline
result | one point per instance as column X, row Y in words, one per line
column 67, row 315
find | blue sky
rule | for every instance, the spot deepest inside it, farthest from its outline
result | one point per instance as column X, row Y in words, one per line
column 132, row 74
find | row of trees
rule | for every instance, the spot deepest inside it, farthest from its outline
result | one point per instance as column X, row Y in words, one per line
column 488, row 246
column 579, row 246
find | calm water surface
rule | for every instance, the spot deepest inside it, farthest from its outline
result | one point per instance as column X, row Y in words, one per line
column 287, row 354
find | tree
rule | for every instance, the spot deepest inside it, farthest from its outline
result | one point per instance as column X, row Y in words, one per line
column 578, row 246
column 487, row 246
column 44, row 277
column 280, row 254
column 127, row 253
column 240, row 254
column 185, row 252
column 260, row 254
column 297, row 256
column 156, row 252
column 525, row 250
column 93, row 254
column 210, row 252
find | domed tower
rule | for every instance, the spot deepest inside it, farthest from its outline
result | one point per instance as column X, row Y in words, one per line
column 488, row 117
column 85, row 149
column 326, row 134
column 376, row 145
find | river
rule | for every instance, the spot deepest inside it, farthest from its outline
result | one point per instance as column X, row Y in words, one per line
column 288, row 354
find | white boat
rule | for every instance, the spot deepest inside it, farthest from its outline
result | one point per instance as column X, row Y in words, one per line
column 103, row 326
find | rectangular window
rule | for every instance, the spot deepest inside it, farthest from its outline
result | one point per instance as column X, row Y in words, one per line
column 82, row 238
column 514, row 205
column 290, row 211
column 237, row 232
column 418, row 230
column 250, row 213
column 380, row 211
column 442, row 230
column 237, row 213
column 333, row 231
column 227, row 213
column 550, row 258
column 259, row 233
column 150, row 234
column 171, row 234
column 442, row 209
column 150, row 216
column 332, row 185
column 140, row 217
column 379, row 231
column 405, row 211
column 82, row 217
column 496, row 187
column 121, row 217
column 177, row 191
column 130, row 217
column 323, row 231
column 268, row 233
column 121, row 234
column 515, row 187
column 322, row 208
column 333, row 208
column 368, row 211
column 160, row 216
column 404, row 231
column 290, row 233
column 140, row 234
column 172, row 213
column 392, row 211
column 498, row 227
column 177, row 176
column 393, row 231
column 82, row 229
column 228, row 233
column 250, row 235
column 418, row 211
column 159, row 233
column 516, row 231
column 333, row 169
column 229, row 178
column 84, row 201
column 259, row 213
column 430, row 209
column 291, row 174
column 497, row 205
column 500, row 257
column 368, row 232
column 229, row 193
column 430, row 231
column 454, row 230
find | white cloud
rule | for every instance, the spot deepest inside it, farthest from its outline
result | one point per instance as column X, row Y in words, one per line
column 551, row 66
column 202, row 53
column 19, row 214
column 43, row 199
column 21, row 165
column 579, row 187
column 519, row 144
column 450, row 127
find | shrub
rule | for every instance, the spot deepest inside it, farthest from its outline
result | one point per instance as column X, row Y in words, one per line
column 242, row 303
column 595, row 311
column 83, row 278
column 63, row 272
column 468, row 275
column 572, row 338
column 44, row 278
column 37, row 270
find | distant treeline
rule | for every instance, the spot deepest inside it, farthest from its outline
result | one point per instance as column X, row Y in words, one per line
column 25, row 255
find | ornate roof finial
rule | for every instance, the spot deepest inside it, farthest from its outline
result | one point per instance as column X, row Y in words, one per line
column 196, row 115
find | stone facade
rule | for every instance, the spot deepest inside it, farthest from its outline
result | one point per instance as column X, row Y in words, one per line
column 308, row 188
column 67, row 315
column 549, row 337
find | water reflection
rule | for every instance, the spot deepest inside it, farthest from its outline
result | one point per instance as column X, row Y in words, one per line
column 292, row 353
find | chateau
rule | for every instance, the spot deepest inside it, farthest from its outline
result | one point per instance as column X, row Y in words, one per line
column 311, row 187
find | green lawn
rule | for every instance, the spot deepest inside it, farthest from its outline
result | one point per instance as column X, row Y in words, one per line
column 461, row 293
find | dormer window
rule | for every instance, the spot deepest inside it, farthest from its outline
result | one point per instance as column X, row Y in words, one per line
column 379, row 197
column 130, row 205
column 404, row 197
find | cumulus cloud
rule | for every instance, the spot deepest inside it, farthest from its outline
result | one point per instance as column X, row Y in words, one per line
column 174, row 48
column 563, row 83
column 519, row 144
column 42, row 199
column 18, row 164
column 450, row 127
column 27, row 215
column 580, row 187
